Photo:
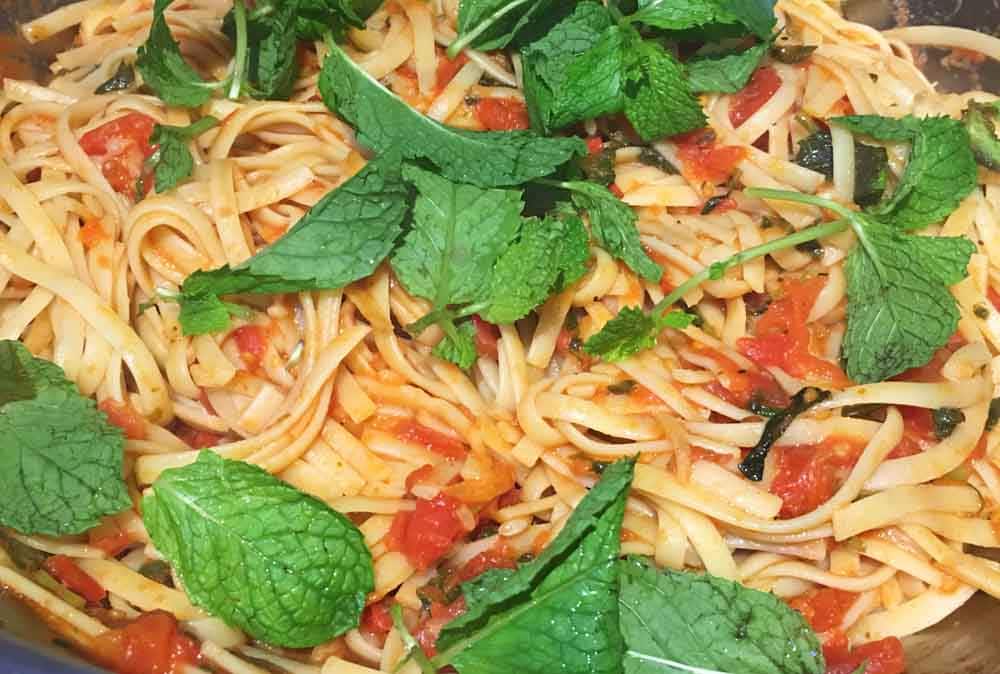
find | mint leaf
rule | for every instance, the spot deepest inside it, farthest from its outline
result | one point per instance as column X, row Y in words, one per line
column 549, row 254
column 752, row 465
column 677, row 623
column 256, row 552
column 658, row 99
column 613, row 224
column 172, row 161
column 317, row 17
column 164, row 69
column 575, row 71
column 633, row 331
column 557, row 613
column 757, row 15
column 494, row 24
column 940, row 173
column 458, row 233
column 274, row 62
column 899, row 309
column 341, row 239
column 980, row 122
column 484, row 158
column 458, row 345
column 727, row 72
column 871, row 165
column 708, row 18
column 60, row 459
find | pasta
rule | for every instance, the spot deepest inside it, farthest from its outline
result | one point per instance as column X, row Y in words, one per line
column 326, row 390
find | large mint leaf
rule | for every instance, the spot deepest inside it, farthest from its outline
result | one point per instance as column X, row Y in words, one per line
column 899, row 309
column 256, row 552
column 557, row 614
column 341, row 239
column 484, row 158
column 658, row 98
column 60, row 459
column 678, row 623
column 164, row 69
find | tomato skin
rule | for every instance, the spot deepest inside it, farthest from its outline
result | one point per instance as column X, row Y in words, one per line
column 824, row 609
column 704, row 161
column 425, row 534
column 487, row 338
column 448, row 68
column 376, row 619
column 112, row 544
column 806, row 475
column 594, row 144
column 758, row 91
column 615, row 190
column 199, row 439
column 251, row 340
column 120, row 147
column 125, row 417
column 150, row 644
column 497, row 557
column 428, row 438
column 65, row 570
column 502, row 114
column 783, row 337
column 882, row 657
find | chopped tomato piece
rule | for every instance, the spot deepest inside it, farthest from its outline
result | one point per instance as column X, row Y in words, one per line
column 251, row 340
column 448, row 68
column 199, row 439
column 594, row 144
column 112, row 541
column 150, row 644
column 502, row 114
column 758, row 91
column 993, row 297
column 783, row 337
column 824, row 609
column 881, row 657
column 918, row 431
column 704, row 161
column 615, row 190
column 497, row 557
column 487, row 338
column 376, row 619
column 125, row 417
column 425, row 534
column 428, row 438
column 121, row 147
column 563, row 341
column 808, row 475
column 65, row 570
column 419, row 476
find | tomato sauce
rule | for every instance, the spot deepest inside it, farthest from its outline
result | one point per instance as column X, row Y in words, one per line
column 808, row 475
column 125, row 417
column 150, row 644
column 880, row 657
column 502, row 114
column 702, row 160
column 783, row 337
column 251, row 341
column 121, row 147
column 487, row 338
column 430, row 439
column 65, row 570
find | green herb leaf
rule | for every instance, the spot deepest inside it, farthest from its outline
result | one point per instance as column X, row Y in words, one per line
column 946, row 419
column 549, row 254
column 484, row 158
column 612, row 222
column 60, row 459
column 980, row 123
column 940, row 173
column 871, row 165
column 494, row 24
column 274, row 62
column 256, row 552
column 575, row 71
column 164, row 69
column 757, row 15
column 317, row 17
column 658, row 98
column 727, row 72
column 341, row 239
column 633, row 331
column 752, row 466
column 458, row 345
column 557, row 612
column 172, row 161
column 710, row 18
column 678, row 623
column 122, row 80
column 899, row 309
column 413, row 648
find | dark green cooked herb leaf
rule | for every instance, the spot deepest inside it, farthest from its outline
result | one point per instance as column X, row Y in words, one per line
column 994, row 415
column 946, row 419
column 792, row 53
column 752, row 466
column 679, row 623
column 60, row 459
column 871, row 165
column 122, row 80
column 980, row 122
column 256, row 552
column 484, row 158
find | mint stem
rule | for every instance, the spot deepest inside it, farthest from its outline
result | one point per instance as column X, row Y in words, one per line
column 808, row 234
column 412, row 647
column 462, row 42
column 240, row 64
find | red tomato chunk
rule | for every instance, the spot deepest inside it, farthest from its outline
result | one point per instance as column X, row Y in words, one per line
column 704, row 161
column 808, row 475
column 881, row 657
column 125, row 417
column 66, row 571
column 425, row 534
column 758, row 91
column 151, row 644
column 502, row 114
column 121, row 147
column 251, row 340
